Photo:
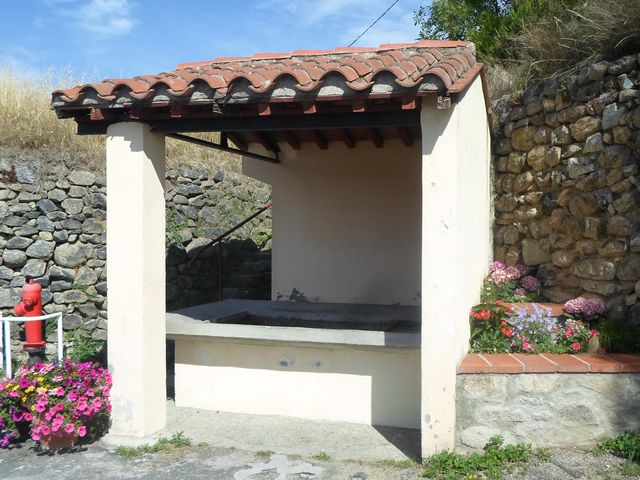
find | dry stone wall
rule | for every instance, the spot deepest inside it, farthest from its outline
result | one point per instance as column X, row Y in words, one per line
column 567, row 188
column 52, row 229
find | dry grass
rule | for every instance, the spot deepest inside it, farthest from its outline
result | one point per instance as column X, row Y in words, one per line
column 28, row 124
column 598, row 29
column 561, row 44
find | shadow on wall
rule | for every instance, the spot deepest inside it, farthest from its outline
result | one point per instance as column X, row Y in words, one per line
column 193, row 274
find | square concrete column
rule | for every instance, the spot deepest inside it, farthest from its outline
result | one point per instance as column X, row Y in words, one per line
column 136, row 278
column 456, row 249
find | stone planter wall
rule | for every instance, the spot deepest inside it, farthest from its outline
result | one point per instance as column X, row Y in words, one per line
column 52, row 229
column 567, row 190
column 546, row 400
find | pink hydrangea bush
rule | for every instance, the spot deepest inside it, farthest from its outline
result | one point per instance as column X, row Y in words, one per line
column 510, row 284
column 51, row 400
column 585, row 307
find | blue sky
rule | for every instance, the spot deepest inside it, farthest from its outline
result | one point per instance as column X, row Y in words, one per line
column 112, row 38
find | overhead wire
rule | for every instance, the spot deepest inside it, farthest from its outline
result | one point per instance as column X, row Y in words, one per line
column 374, row 22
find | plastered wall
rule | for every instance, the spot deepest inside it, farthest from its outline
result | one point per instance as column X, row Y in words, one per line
column 346, row 222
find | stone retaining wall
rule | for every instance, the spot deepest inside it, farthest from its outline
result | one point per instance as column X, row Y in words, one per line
column 52, row 229
column 567, row 188
column 546, row 409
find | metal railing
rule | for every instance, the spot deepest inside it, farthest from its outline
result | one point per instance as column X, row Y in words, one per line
column 218, row 241
column 6, row 323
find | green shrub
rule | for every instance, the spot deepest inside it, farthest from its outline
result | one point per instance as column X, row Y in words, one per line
column 84, row 348
column 625, row 445
column 491, row 463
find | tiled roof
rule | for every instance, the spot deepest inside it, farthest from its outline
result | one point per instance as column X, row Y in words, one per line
column 427, row 66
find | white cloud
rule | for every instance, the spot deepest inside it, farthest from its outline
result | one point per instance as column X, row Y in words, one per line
column 106, row 17
column 103, row 17
column 346, row 19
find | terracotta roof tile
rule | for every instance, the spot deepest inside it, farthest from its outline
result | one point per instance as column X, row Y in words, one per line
column 451, row 61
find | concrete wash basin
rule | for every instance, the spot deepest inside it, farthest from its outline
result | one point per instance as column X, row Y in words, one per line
column 375, row 325
column 337, row 362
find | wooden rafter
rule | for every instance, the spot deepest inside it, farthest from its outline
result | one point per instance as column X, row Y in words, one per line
column 267, row 142
column 237, row 140
column 376, row 138
column 320, row 139
column 405, row 135
column 348, row 138
column 292, row 139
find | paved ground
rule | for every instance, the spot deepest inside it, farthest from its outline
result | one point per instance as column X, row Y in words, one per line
column 248, row 447
column 205, row 462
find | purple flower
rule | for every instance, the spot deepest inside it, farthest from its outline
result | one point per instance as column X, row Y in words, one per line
column 499, row 277
column 530, row 283
column 493, row 266
column 513, row 273
column 520, row 292
column 585, row 306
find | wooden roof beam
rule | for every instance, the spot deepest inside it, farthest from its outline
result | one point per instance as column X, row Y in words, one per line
column 348, row 138
column 292, row 139
column 376, row 138
column 320, row 139
column 405, row 136
column 267, row 142
column 237, row 140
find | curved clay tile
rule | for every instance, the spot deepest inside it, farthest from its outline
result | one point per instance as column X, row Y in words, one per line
column 375, row 63
column 360, row 84
column 102, row 89
column 457, row 66
column 361, row 68
column 215, row 81
column 348, row 72
column 437, row 54
column 143, row 95
column 464, row 61
column 419, row 60
column 409, row 67
column 449, row 69
column 470, row 56
column 450, row 61
column 173, row 83
column 386, row 59
column 442, row 75
column 313, row 69
column 68, row 95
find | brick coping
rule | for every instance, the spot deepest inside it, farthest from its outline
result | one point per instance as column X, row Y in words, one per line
column 513, row 363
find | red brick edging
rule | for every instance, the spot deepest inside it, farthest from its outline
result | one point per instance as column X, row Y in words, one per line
column 549, row 363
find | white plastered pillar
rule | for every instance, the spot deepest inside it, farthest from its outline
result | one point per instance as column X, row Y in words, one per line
column 456, row 249
column 136, row 278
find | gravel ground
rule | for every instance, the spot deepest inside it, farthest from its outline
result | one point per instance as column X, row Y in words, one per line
column 205, row 462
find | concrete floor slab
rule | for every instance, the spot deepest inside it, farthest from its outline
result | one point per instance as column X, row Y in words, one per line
column 283, row 435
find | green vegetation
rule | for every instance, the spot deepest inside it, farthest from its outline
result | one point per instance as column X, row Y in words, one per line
column 177, row 440
column 173, row 228
column 322, row 456
column 491, row 463
column 399, row 464
column 625, row 445
column 490, row 24
column 264, row 453
column 84, row 348
column 524, row 40
column 619, row 337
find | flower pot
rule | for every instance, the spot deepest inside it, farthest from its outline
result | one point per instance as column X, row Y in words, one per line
column 58, row 440
column 594, row 345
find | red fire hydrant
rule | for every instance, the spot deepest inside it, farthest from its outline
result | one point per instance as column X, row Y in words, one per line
column 31, row 306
